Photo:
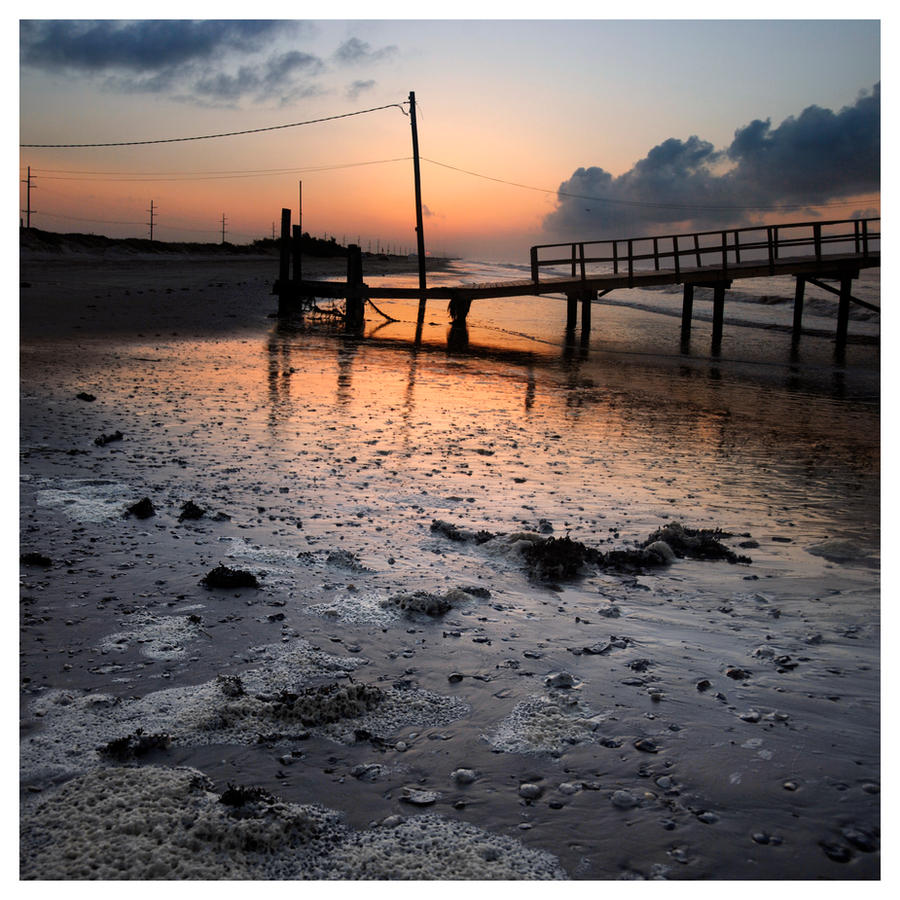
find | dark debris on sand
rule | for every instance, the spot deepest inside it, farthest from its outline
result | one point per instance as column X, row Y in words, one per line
column 223, row 577
column 133, row 746
column 143, row 509
column 190, row 510
column 34, row 558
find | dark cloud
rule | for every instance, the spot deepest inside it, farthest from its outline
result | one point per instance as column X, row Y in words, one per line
column 143, row 46
column 356, row 52
column 194, row 62
column 359, row 87
column 816, row 157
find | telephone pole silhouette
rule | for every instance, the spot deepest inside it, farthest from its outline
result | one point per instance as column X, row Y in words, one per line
column 151, row 220
column 27, row 183
column 223, row 228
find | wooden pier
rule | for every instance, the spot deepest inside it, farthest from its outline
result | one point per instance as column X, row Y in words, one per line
column 811, row 252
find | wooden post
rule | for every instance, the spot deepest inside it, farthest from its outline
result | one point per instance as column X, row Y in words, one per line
column 284, row 263
column 420, row 234
column 355, row 317
column 718, row 313
column 298, row 266
column 843, row 314
column 687, row 310
column 798, row 310
column 571, row 311
column 587, row 298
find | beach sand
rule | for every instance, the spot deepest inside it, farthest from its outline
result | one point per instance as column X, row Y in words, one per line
column 421, row 699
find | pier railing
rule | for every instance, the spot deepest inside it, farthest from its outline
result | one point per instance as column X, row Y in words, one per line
column 706, row 249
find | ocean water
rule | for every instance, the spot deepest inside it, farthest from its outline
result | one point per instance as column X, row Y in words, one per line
column 703, row 720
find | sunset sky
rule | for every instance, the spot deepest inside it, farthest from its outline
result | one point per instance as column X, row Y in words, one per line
column 644, row 126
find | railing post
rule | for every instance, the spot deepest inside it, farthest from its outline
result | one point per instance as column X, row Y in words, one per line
column 615, row 257
column 630, row 263
column 724, row 251
column 656, row 254
column 775, row 232
column 771, row 249
column 581, row 252
column 675, row 254
column 573, row 260
column 534, row 265
column 817, row 240
column 697, row 249
column 865, row 237
column 856, row 235
column 737, row 246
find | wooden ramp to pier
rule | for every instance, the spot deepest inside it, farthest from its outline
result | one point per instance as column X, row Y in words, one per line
column 811, row 252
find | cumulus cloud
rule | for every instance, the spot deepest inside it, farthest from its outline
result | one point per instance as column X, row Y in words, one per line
column 816, row 157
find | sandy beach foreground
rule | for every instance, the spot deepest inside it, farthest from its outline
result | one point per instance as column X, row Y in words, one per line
column 295, row 604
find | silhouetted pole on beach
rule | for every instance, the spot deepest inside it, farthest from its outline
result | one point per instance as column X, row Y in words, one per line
column 420, row 235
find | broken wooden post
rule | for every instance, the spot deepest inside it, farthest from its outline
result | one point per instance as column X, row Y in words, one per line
column 355, row 317
column 284, row 264
column 798, row 310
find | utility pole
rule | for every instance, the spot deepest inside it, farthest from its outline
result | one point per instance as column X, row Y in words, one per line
column 223, row 228
column 151, row 220
column 420, row 235
column 27, row 183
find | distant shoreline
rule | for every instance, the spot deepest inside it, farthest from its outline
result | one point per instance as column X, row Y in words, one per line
column 77, row 286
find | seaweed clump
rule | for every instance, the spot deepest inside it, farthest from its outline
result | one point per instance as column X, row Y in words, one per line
column 134, row 746
column 554, row 559
column 143, row 509
column 190, row 510
column 34, row 558
column 462, row 535
column 327, row 703
column 223, row 577
column 702, row 543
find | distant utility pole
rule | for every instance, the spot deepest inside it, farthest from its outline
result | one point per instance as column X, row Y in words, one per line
column 27, row 182
column 152, row 213
column 223, row 228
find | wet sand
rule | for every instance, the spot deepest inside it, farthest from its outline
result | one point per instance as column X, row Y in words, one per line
column 698, row 720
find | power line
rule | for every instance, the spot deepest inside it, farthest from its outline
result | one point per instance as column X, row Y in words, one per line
column 199, row 176
column 639, row 203
column 206, row 137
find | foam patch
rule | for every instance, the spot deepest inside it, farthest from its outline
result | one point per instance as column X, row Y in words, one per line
column 160, row 823
column 87, row 500
column 157, row 637
column 545, row 724
column 229, row 711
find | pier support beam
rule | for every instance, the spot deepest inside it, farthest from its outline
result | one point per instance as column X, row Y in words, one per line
column 571, row 311
column 687, row 311
column 799, row 289
column 843, row 314
column 587, row 298
column 718, row 312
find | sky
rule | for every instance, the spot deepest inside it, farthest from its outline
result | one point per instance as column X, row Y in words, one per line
column 530, row 131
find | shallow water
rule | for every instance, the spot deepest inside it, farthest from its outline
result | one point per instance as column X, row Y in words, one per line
column 313, row 442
